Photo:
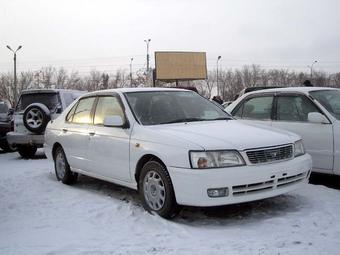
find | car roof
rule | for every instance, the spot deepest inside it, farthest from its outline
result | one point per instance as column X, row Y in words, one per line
column 125, row 90
column 36, row 91
column 291, row 89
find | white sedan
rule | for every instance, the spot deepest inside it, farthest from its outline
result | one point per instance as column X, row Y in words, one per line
column 311, row 112
column 175, row 147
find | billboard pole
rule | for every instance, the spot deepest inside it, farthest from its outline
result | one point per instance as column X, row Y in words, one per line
column 147, row 55
column 218, row 87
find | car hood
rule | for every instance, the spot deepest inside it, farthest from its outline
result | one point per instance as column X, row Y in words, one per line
column 231, row 134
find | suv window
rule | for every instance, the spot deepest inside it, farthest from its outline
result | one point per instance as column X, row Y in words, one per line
column 51, row 100
column 106, row 106
column 82, row 114
column 3, row 107
column 294, row 108
column 256, row 108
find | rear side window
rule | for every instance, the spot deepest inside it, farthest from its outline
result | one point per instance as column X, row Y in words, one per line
column 294, row 108
column 107, row 106
column 258, row 108
column 82, row 113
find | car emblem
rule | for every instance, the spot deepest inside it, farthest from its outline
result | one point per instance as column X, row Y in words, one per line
column 273, row 154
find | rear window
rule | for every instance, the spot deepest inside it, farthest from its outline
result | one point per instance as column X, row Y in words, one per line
column 51, row 100
column 3, row 107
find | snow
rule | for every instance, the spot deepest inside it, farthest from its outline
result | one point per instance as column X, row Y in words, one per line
column 39, row 215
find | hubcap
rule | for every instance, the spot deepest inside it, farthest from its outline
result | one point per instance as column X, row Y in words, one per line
column 154, row 190
column 60, row 165
column 34, row 118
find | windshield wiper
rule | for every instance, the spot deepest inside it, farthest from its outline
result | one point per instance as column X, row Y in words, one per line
column 222, row 118
column 182, row 120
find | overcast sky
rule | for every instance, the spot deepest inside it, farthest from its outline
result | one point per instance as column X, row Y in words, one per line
column 105, row 34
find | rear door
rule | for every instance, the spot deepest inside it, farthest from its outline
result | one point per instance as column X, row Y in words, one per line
column 292, row 114
column 75, row 133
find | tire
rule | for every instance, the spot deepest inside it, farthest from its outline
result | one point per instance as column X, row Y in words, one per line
column 27, row 151
column 7, row 147
column 62, row 168
column 35, row 118
column 156, row 190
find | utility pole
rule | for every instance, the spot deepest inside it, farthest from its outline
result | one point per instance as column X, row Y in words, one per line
column 15, row 72
column 218, row 88
column 147, row 55
column 131, row 72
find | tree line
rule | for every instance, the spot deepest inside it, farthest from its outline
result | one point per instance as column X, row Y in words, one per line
column 228, row 83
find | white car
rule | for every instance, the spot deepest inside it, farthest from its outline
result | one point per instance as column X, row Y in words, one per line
column 311, row 112
column 175, row 147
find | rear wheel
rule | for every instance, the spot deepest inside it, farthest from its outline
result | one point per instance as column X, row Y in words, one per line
column 62, row 168
column 27, row 151
column 156, row 190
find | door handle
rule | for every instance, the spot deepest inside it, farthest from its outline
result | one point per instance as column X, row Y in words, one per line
column 92, row 133
column 64, row 130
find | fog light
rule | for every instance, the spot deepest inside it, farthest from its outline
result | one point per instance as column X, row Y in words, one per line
column 220, row 192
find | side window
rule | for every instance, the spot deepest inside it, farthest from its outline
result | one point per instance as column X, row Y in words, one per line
column 106, row 106
column 82, row 114
column 70, row 114
column 294, row 108
column 258, row 108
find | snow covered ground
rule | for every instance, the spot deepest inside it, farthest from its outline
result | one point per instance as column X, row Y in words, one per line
column 39, row 215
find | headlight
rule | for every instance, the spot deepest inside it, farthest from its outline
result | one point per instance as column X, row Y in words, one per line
column 299, row 149
column 215, row 159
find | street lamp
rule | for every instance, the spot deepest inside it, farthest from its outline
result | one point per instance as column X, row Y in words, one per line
column 15, row 71
column 218, row 88
column 147, row 54
column 131, row 59
column 311, row 68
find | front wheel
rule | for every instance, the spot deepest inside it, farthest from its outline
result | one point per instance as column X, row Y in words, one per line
column 156, row 190
column 27, row 151
column 62, row 168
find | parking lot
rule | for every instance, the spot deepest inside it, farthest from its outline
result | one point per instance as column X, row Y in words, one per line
column 39, row 215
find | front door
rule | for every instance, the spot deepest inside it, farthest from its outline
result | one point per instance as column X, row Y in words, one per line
column 109, row 146
column 292, row 115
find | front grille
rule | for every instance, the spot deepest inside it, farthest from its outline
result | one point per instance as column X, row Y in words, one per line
column 240, row 190
column 286, row 181
column 266, row 155
column 276, row 182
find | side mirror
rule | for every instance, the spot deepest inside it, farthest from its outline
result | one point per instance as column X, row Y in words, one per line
column 113, row 121
column 316, row 117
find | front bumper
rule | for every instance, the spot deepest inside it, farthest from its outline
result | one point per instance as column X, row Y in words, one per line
column 245, row 183
column 19, row 138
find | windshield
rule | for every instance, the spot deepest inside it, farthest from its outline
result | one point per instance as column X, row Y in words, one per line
column 51, row 100
column 164, row 107
column 3, row 107
column 330, row 99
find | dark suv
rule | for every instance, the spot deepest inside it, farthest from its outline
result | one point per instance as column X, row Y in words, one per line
column 34, row 110
column 6, row 125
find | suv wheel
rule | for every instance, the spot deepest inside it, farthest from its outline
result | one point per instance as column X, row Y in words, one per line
column 27, row 151
column 156, row 190
column 62, row 168
column 36, row 116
